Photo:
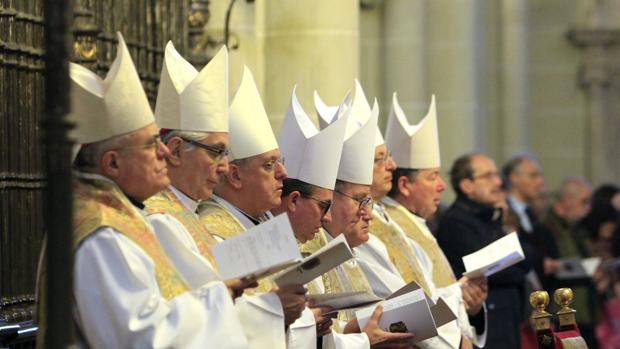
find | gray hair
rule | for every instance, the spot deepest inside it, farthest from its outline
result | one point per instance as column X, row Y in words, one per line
column 89, row 155
column 190, row 135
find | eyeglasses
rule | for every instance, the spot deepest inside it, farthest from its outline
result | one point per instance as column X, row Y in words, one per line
column 486, row 176
column 323, row 204
column 154, row 143
column 384, row 158
column 219, row 152
column 363, row 203
column 271, row 164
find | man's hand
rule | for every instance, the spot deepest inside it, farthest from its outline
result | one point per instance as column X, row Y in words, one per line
column 475, row 292
column 237, row 286
column 551, row 266
column 323, row 323
column 293, row 299
column 379, row 338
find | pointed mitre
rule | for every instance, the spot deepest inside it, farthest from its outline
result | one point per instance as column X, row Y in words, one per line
column 311, row 156
column 324, row 112
column 250, row 132
column 111, row 107
column 413, row 146
column 358, row 153
column 190, row 100
column 360, row 110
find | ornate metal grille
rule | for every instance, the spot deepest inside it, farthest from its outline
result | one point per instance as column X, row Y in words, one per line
column 146, row 25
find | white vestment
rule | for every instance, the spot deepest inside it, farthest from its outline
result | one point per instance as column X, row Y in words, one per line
column 385, row 279
column 261, row 314
column 302, row 333
column 118, row 303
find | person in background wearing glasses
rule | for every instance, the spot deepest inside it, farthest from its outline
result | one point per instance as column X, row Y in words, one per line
column 472, row 222
column 127, row 292
column 195, row 130
column 243, row 197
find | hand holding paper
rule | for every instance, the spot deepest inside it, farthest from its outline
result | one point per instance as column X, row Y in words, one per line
column 261, row 251
column 494, row 257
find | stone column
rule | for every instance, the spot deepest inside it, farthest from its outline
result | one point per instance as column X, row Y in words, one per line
column 598, row 34
column 311, row 43
column 455, row 48
column 405, row 57
column 514, row 54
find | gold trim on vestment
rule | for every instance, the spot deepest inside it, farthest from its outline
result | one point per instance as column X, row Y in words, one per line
column 166, row 202
column 443, row 276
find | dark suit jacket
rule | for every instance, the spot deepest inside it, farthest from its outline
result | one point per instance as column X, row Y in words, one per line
column 466, row 227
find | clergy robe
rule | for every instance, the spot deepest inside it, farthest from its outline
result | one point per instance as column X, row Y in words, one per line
column 127, row 293
column 379, row 262
column 224, row 221
column 187, row 243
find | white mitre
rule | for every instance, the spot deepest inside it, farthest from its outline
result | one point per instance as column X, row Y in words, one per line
column 190, row 100
column 311, row 156
column 413, row 146
column 111, row 107
column 250, row 132
column 360, row 110
column 358, row 153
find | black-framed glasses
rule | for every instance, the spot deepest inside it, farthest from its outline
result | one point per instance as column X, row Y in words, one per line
column 325, row 205
column 487, row 176
column 363, row 203
column 218, row 152
column 271, row 164
column 154, row 143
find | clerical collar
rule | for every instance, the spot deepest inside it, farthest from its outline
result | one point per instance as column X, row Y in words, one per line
column 94, row 176
column 482, row 211
column 139, row 204
column 252, row 219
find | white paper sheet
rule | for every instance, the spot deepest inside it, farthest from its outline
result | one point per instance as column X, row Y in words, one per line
column 258, row 252
column 411, row 308
column 325, row 259
column 577, row 268
column 494, row 257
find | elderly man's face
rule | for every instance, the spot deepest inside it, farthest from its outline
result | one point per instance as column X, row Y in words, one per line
column 140, row 164
column 348, row 217
column 484, row 185
column 262, row 177
column 310, row 214
column 382, row 172
column 424, row 192
column 576, row 204
column 203, row 167
column 527, row 180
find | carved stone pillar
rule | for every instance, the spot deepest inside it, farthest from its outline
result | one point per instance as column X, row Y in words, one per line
column 599, row 77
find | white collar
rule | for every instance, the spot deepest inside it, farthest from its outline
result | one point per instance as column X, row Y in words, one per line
column 516, row 204
column 188, row 202
column 237, row 213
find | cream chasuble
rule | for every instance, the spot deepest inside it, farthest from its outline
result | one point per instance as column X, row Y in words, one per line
column 375, row 256
column 188, row 244
column 439, row 268
column 224, row 220
column 120, row 301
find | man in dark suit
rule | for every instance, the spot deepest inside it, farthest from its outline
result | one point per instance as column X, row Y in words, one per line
column 473, row 222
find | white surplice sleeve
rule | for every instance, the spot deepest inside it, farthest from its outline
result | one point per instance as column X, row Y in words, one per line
column 119, row 304
column 260, row 314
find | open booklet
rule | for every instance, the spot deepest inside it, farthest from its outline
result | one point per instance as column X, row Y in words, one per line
column 494, row 257
column 577, row 268
column 258, row 252
column 410, row 310
column 326, row 258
